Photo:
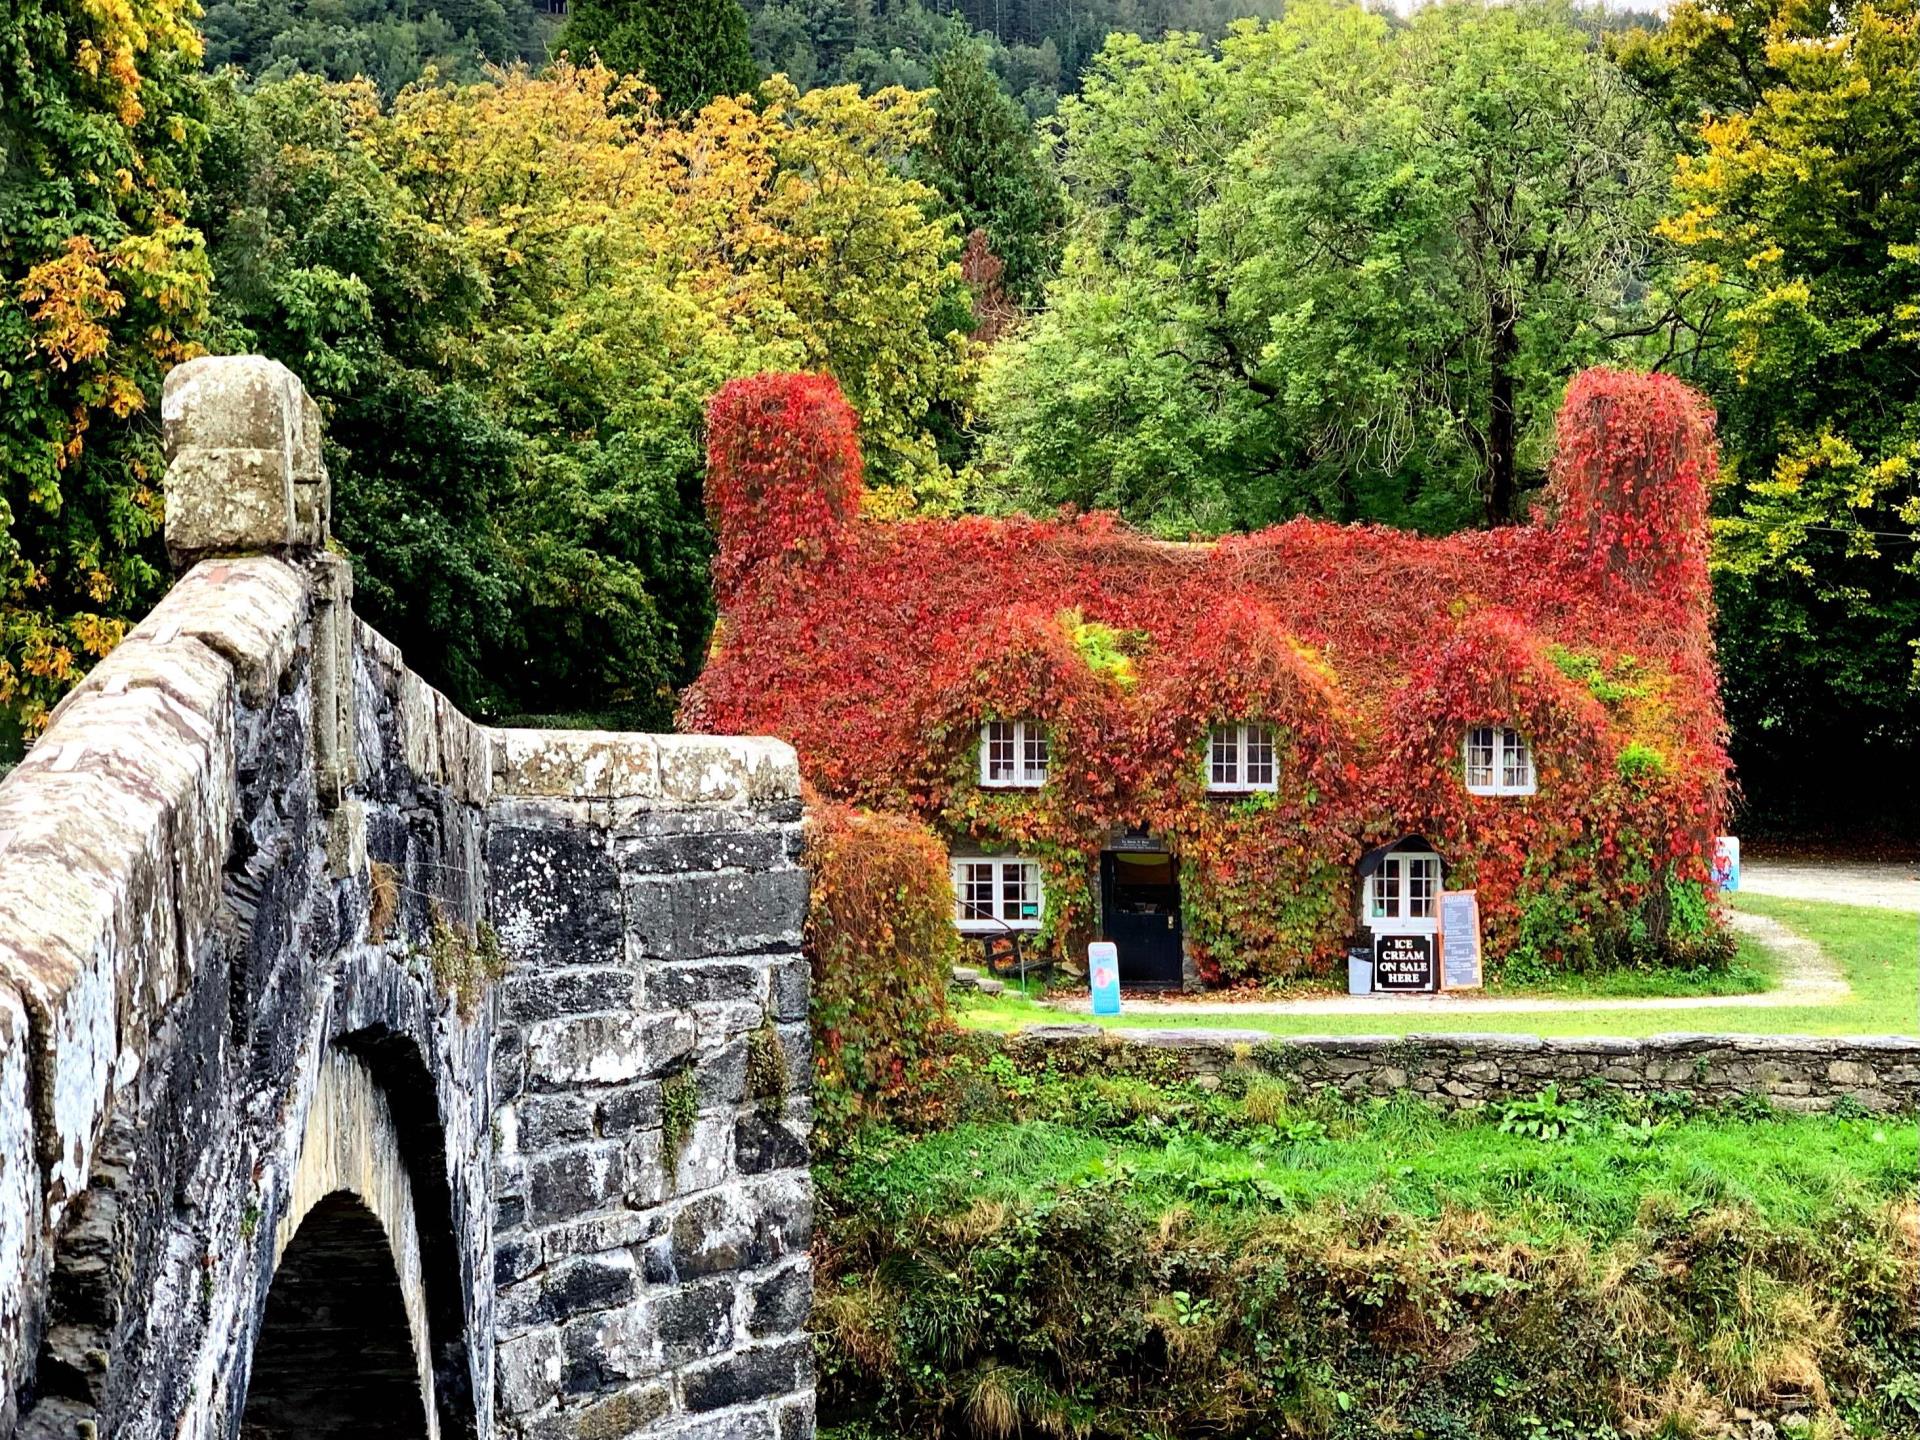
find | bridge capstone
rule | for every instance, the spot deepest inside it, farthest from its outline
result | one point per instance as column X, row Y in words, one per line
column 319, row 999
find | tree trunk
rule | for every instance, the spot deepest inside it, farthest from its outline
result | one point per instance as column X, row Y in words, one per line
column 1502, row 482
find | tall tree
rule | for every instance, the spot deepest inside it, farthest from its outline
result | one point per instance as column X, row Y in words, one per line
column 982, row 158
column 688, row 50
column 102, row 287
column 1333, row 266
column 1797, row 223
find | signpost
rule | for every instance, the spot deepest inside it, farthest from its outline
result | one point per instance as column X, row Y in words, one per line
column 1103, row 974
column 1460, row 940
column 1403, row 964
column 1726, row 862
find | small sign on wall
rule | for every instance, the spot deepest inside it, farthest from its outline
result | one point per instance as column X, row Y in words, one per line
column 1726, row 862
column 1403, row 963
column 1103, row 974
column 1460, row 940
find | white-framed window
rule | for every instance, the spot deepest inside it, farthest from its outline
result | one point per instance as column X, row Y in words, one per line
column 1240, row 757
column 1404, row 888
column 1498, row 761
column 991, row 894
column 1013, row 754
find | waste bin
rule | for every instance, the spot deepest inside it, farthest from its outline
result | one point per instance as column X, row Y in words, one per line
column 1359, row 971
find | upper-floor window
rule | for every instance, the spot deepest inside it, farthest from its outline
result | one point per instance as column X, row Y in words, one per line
column 992, row 894
column 1498, row 761
column 1013, row 753
column 1240, row 757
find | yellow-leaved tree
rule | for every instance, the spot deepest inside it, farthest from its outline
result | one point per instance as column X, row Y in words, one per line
column 102, row 286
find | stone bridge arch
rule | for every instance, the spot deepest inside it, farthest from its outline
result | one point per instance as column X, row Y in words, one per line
column 316, row 997
column 345, row 1346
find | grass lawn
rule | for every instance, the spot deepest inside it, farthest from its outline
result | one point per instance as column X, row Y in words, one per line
column 1878, row 951
column 1406, row 1158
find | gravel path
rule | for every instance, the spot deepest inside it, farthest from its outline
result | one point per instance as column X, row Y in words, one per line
column 1808, row 976
column 1889, row 885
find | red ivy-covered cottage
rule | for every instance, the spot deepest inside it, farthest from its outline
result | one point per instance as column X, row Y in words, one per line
column 1235, row 758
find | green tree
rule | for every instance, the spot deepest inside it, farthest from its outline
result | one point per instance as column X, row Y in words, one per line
column 981, row 157
column 1796, row 220
column 688, row 50
column 1331, row 266
column 102, row 287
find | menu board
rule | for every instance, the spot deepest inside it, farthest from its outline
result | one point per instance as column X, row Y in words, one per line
column 1460, row 940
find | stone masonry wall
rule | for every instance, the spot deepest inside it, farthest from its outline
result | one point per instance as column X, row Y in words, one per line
column 1464, row 1071
column 275, row 917
column 652, row 1069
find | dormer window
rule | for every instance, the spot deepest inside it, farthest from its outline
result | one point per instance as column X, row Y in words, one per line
column 1013, row 754
column 1498, row 761
column 1240, row 758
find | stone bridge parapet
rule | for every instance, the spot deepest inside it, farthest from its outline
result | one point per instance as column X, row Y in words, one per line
column 368, row 1071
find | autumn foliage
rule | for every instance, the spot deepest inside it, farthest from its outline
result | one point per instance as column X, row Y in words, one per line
column 879, row 651
column 880, row 940
column 783, row 473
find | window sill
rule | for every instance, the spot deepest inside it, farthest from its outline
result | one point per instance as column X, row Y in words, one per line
column 1242, row 791
column 990, row 927
column 1501, row 792
column 1039, row 784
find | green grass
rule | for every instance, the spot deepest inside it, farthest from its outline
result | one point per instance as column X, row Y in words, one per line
column 1409, row 1159
column 1752, row 971
column 1877, row 950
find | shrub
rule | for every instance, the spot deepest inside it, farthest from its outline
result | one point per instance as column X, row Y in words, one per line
column 881, row 943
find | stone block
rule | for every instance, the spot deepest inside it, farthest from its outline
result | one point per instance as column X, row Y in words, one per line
column 599, row 1234
column 761, row 1144
column 614, row 1417
column 562, row 1185
column 587, row 764
column 747, row 1375
column 791, row 984
column 680, row 987
column 236, row 501
column 699, row 851
column 539, row 993
column 778, row 1303
column 564, row 1291
column 604, row 1049
column 739, row 914
column 247, row 611
column 526, row 1372
column 1852, row 1074
column 796, row 1418
column 630, row 1109
column 20, row 1203
column 542, row 1122
column 693, row 1322
column 556, row 898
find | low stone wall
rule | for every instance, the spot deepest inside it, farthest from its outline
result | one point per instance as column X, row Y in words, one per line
column 1464, row 1071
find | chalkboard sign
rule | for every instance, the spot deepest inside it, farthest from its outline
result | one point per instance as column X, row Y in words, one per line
column 1460, row 940
column 1403, row 962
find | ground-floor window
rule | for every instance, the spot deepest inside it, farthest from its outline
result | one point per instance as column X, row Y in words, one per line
column 992, row 893
column 1403, row 888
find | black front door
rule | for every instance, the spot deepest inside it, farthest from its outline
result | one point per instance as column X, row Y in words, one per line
column 1140, row 905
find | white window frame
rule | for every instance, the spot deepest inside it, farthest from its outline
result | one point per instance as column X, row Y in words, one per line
column 1231, row 749
column 1000, row 872
column 1508, row 767
column 1029, row 751
column 1388, row 901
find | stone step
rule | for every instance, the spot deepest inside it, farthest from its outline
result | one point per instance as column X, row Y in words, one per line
column 965, row 974
column 987, row 985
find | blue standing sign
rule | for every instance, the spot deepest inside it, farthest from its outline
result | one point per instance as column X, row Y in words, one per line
column 1726, row 862
column 1103, row 973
